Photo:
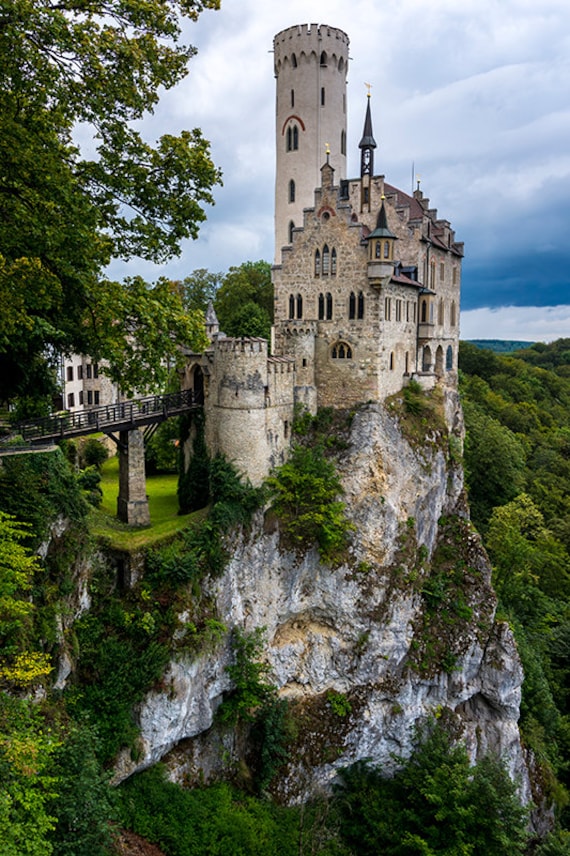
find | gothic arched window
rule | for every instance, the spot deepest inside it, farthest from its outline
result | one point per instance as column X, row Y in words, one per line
column 293, row 60
column 291, row 227
column 289, row 138
column 291, row 306
column 317, row 263
column 326, row 260
column 329, row 303
column 440, row 312
column 352, row 306
column 295, row 137
column 324, row 58
column 449, row 358
column 453, row 321
column 341, row 351
column 386, row 249
column 321, row 307
column 360, row 312
column 299, row 306
column 333, row 262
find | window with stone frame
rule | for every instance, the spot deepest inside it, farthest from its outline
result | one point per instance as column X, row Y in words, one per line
column 317, row 262
column 341, row 351
column 326, row 260
column 333, row 262
column 360, row 306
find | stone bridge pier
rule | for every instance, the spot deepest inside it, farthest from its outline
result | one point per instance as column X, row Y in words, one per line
column 132, row 502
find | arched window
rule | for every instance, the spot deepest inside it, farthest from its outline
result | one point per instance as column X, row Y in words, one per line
column 426, row 360
column 293, row 60
column 439, row 361
column 295, row 137
column 329, row 305
column 352, row 306
column 321, row 307
column 324, row 58
column 291, row 191
column 333, row 262
column 387, row 309
column 440, row 312
column 291, row 227
column 299, row 306
column 449, row 358
column 424, row 312
column 341, row 64
column 317, row 263
column 360, row 313
column 386, row 249
column 326, row 260
column 432, row 275
column 341, row 351
column 291, row 306
column 343, row 142
column 289, row 138
column 377, row 250
column 453, row 314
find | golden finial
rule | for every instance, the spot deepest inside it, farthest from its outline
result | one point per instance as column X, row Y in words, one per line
column 327, row 149
column 369, row 87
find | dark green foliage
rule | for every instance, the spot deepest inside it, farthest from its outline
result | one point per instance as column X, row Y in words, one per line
column 89, row 481
column 244, row 300
column 233, row 499
column 436, row 805
column 194, row 482
column 250, row 690
column 305, row 493
column 93, row 453
column 215, row 821
column 161, row 451
column 84, row 803
column 119, row 659
column 414, row 399
column 37, row 488
column 270, row 736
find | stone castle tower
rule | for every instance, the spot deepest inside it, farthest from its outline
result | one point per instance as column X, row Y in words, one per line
column 366, row 278
column 311, row 66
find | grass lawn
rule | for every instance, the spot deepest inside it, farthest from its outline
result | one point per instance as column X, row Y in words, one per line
column 163, row 506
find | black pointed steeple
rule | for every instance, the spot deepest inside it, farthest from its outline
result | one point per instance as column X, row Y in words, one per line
column 367, row 144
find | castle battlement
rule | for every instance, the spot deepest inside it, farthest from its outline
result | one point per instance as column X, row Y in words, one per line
column 253, row 345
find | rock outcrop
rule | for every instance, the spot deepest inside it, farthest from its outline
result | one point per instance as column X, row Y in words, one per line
column 403, row 630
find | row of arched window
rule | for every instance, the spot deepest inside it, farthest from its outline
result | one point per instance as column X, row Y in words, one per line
column 324, row 60
column 292, row 133
column 325, row 262
column 427, row 313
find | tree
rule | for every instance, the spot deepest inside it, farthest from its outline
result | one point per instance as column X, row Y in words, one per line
column 244, row 301
column 199, row 288
column 65, row 213
column 436, row 805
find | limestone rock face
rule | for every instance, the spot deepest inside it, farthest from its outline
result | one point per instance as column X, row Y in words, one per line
column 404, row 629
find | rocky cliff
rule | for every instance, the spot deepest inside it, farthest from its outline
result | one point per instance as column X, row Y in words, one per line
column 402, row 630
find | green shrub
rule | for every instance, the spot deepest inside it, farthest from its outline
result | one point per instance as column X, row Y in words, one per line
column 93, row 453
column 305, row 493
column 250, row 690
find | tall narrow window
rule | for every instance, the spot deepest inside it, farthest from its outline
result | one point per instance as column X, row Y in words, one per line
column 407, row 363
column 295, row 137
column 440, row 312
column 398, row 310
column 387, row 309
column 317, row 263
column 453, row 320
column 386, row 249
column 291, row 227
column 326, row 260
column 441, row 271
column 293, row 60
column 291, row 306
column 449, row 358
column 321, row 307
column 333, row 262
column 392, row 361
column 329, row 303
column 70, row 372
column 289, row 138
column 360, row 312
column 292, row 98
column 322, row 96
column 424, row 311
column 352, row 306
column 343, row 142
column 291, row 191
column 299, row 306
column 323, row 58
column 377, row 250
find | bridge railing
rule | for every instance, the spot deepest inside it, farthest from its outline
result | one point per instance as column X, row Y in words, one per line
column 125, row 413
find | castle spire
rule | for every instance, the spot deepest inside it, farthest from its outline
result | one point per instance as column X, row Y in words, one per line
column 367, row 144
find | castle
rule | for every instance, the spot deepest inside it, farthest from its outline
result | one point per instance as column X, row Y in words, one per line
column 366, row 277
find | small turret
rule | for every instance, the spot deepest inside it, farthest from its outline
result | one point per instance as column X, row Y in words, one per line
column 367, row 144
column 381, row 248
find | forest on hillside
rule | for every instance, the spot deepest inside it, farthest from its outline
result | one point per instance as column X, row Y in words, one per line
column 57, row 748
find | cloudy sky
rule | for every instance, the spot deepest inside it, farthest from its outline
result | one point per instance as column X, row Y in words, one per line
column 475, row 94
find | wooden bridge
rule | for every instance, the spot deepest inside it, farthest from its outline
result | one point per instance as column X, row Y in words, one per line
column 122, row 422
